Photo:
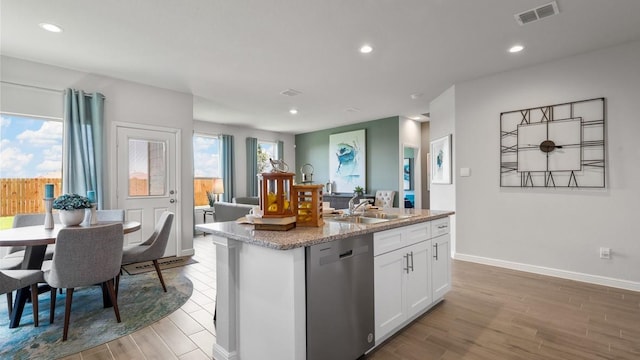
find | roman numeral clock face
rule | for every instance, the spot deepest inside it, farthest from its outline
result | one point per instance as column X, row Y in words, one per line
column 554, row 146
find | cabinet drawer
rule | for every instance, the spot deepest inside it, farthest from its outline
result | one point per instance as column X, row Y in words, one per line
column 440, row 227
column 415, row 233
column 388, row 240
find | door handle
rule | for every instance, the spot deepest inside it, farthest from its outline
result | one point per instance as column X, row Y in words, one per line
column 436, row 246
column 172, row 200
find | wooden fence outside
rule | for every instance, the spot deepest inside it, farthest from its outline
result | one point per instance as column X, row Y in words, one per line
column 24, row 195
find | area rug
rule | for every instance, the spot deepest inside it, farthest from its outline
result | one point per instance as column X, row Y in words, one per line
column 140, row 299
column 165, row 263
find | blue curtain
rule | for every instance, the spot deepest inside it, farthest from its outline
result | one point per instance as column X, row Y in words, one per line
column 252, row 166
column 83, row 152
column 227, row 167
column 280, row 150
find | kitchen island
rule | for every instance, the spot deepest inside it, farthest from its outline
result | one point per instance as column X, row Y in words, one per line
column 261, row 279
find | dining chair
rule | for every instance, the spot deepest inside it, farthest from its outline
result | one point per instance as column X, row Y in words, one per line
column 15, row 254
column 110, row 215
column 16, row 279
column 84, row 257
column 384, row 198
column 152, row 249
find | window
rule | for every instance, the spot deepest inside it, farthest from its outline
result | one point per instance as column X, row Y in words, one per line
column 206, row 166
column 147, row 168
column 31, row 153
column 266, row 150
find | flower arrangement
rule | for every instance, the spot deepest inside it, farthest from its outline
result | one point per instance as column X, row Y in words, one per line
column 71, row 202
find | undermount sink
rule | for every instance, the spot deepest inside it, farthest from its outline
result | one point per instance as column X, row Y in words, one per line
column 357, row 219
column 385, row 216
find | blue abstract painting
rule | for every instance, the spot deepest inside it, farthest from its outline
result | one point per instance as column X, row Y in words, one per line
column 347, row 165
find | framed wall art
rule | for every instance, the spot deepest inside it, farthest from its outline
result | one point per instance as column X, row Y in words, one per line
column 559, row 145
column 347, row 164
column 441, row 160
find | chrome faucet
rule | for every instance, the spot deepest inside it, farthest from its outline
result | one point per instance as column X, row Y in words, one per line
column 353, row 207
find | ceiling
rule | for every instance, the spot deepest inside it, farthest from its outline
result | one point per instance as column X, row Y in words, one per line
column 236, row 56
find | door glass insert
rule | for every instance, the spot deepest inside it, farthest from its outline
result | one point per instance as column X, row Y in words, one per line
column 147, row 168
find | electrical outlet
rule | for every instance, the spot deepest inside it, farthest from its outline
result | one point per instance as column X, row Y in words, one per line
column 605, row 253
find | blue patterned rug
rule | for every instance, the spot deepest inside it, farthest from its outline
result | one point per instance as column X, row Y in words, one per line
column 140, row 299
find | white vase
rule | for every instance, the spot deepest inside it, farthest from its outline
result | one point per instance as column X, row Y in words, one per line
column 71, row 217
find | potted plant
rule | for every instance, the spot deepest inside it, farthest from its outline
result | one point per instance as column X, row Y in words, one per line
column 358, row 190
column 71, row 208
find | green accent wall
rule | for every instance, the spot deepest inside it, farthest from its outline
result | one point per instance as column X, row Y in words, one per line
column 382, row 140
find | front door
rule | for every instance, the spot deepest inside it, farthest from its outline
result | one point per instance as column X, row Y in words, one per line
column 146, row 180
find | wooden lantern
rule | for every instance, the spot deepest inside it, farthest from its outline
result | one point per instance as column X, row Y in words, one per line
column 275, row 194
column 307, row 204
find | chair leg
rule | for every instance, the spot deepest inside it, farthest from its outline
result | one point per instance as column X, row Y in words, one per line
column 155, row 263
column 52, row 305
column 10, row 303
column 114, row 298
column 67, row 313
column 118, row 282
column 34, row 303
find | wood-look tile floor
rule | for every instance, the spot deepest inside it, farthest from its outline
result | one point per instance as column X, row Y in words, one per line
column 490, row 313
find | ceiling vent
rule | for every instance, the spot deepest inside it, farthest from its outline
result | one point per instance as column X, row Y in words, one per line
column 290, row 92
column 538, row 13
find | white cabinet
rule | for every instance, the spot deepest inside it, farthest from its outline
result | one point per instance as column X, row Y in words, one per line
column 402, row 276
column 441, row 260
column 412, row 269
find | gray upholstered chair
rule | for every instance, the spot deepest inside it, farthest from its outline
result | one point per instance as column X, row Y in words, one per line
column 384, row 198
column 153, row 248
column 110, row 215
column 16, row 279
column 83, row 257
column 15, row 254
column 22, row 220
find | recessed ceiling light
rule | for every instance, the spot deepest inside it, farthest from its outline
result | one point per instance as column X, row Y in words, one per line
column 51, row 27
column 293, row 111
column 365, row 49
column 416, row 96
column 415, row 117
column 516, row 48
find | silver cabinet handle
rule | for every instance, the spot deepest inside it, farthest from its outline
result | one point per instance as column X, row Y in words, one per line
column 411, row 261
column 442, row 226
column 406, row 258
column 436, row 246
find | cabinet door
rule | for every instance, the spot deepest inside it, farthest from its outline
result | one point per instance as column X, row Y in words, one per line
column 389, row 277
column 418, row 286
column 441, row 265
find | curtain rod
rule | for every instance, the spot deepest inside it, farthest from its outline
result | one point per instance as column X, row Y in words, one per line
column 44, row 88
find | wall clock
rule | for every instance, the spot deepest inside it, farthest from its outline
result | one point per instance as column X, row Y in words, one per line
column 560, row 145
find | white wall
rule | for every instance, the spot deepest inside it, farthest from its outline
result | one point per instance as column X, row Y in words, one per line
column 442, row 122
column 240, row 135
column 125, row 102
column 553, row 231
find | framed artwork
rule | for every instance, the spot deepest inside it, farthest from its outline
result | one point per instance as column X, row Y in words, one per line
column 406, row 173
column 559, row 145
column 441, row 160
column 347, row 164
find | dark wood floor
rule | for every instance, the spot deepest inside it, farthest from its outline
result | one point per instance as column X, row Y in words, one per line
column 494, row 313
column 490, row 313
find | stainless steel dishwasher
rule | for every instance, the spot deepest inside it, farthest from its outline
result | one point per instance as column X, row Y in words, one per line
column 340, row 323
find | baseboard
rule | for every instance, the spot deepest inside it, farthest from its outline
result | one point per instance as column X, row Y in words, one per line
column 564, row 274
column 187, row 252
column 220, row 353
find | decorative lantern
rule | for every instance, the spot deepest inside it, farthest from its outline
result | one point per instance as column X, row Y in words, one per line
column 307, row 173
column 307, row 203
column 275, row 194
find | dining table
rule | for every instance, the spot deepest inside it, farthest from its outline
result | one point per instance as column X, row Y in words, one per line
column 35, row 239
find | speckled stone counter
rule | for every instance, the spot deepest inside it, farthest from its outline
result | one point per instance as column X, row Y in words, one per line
column 307, row 236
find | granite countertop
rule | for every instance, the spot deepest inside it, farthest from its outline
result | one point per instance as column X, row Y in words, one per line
column 307, row 236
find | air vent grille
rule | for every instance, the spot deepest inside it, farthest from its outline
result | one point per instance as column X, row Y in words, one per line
column 290, row 92
column 538, row 13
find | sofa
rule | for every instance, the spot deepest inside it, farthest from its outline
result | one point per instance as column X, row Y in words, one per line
column 226, row 211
